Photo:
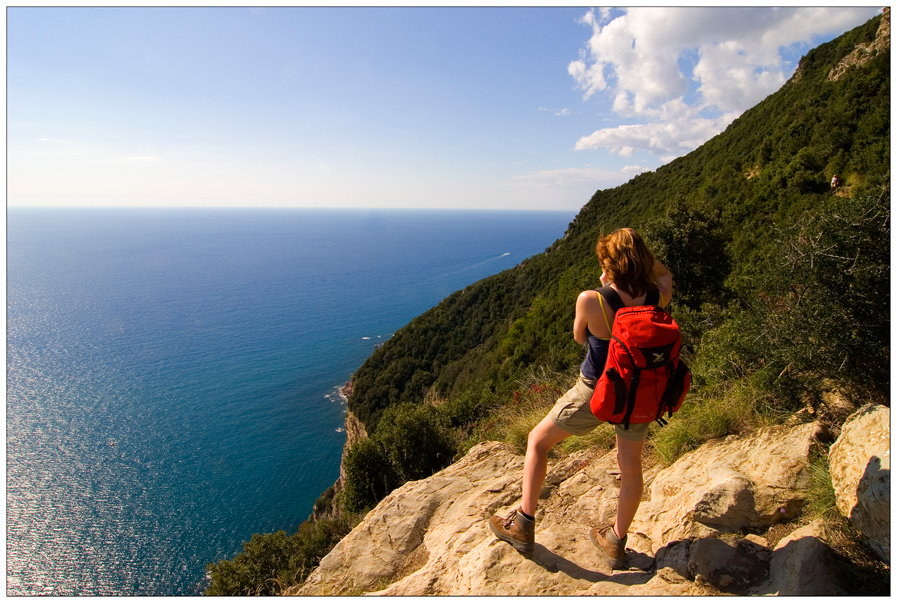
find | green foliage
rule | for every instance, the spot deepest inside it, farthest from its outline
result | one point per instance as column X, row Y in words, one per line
column 370, row 476
column 412, row 441
column 417, row 439
column 691, row 242
column 257, row 570
column 271, row 563
column 827, row 303
column 324, row 502
column 821, row 310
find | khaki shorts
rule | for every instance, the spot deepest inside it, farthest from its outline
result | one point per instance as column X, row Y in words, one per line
column 573, row 414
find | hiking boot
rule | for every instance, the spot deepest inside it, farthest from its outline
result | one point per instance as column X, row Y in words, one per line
column 611, row 545
column 516, row 530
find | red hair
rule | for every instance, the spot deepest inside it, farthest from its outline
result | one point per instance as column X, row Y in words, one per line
column 627, row 261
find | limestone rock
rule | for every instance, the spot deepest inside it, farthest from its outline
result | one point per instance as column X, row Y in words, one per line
column 445, row 509
column 863, row 53
column 860, row 466
column 355, row 431
column 730, row 485
column 430, row 537
column 729, row 564
column 801, row 564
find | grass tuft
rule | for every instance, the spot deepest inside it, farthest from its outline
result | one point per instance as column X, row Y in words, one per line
column 714, row 413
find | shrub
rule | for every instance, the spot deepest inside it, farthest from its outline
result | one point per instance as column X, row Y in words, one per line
column 271, row 563
column 417, row 439
column 692, row 244
column 370, row 476
column 258, row 570
column 820, row 312
column 827, row 308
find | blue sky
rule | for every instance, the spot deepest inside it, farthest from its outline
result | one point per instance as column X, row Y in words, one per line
column 464, row 107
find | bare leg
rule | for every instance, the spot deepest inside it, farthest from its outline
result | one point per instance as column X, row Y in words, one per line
column 629, row 459
column 541, row 439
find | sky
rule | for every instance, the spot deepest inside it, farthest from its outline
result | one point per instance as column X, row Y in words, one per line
column 526, row 108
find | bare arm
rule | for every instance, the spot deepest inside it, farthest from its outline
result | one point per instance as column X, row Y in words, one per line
column 589, row 315
column 664, row 281
column 583, row 309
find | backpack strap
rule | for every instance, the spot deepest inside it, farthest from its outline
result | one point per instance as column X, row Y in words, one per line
column 613, row 300
column 653, row 298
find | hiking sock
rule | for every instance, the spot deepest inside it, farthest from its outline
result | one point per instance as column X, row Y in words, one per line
column 525, row 516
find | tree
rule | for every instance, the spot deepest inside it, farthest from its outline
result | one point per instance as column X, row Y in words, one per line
column 692, row 243
column 417, row 440
column 370, row 476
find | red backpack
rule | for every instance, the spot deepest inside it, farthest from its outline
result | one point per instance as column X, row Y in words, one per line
column 644, row 376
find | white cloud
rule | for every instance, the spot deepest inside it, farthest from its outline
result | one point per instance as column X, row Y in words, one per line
column 649, row 60
column 564, row 112
column 589, row 178
column 677, row 130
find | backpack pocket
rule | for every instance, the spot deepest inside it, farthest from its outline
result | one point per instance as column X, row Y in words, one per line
column 619, row 390
column 677, row 387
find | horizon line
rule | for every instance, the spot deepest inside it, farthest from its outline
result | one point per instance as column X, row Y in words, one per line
column 282, row 208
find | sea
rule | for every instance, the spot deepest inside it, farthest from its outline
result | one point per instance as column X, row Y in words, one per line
column 173, row 375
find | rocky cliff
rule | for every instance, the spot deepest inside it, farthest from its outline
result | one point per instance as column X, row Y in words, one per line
column 863, row 53
column 711, row 523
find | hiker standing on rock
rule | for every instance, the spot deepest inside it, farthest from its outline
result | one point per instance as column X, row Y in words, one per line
column 632, row 277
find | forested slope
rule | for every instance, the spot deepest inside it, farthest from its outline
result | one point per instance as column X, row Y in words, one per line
column 715, row 216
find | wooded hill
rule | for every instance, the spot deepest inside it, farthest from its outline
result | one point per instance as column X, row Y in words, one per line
column 772, row 270
column 781, row 290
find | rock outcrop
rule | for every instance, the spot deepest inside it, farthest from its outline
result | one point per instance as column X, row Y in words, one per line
column 863, row 53
column 731, row 485
column 860, row 465
column 355, row 431
column 700, row 531
column 801, row 564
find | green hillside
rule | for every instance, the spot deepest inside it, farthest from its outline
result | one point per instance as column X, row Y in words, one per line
column 772, row 270
column 781, row 290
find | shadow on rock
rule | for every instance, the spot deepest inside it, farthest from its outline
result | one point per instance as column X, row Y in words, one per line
column 872, row 512
column 552, row 562
column 729, row 563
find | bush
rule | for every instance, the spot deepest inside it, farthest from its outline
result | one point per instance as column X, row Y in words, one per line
column 821, row 312
column 692, row 244
column 417, row 439
column 411, row 442
column 271, row 563
column 826, row 311
column 370, row 476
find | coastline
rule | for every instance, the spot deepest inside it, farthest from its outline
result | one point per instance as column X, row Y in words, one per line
column 355, row 431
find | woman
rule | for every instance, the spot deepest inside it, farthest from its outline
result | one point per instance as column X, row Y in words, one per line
column 635, row 279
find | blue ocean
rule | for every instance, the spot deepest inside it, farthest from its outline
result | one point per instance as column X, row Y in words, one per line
column 173, row 375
